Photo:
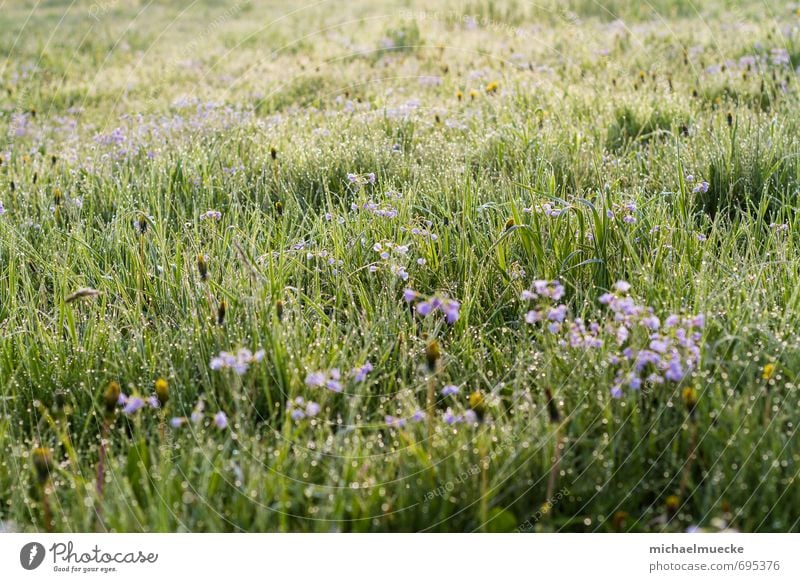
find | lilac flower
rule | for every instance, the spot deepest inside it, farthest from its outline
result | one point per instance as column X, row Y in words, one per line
column 177, row 421
column 297, row 414
column 123, row 398
column 133, row 404
column 197, row 413
column 470, row 417
column 312, row 409
column 701, row 187
column 450, row 389
column 674, row 371
column 153, row 401
column 2, row 209
column 410, row 295
column 221, row 420
column 418, row 416
column 622, row 286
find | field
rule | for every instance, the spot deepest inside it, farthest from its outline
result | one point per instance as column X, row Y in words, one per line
column 492, row 265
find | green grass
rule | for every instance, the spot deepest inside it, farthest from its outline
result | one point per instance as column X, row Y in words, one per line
column 476, row 118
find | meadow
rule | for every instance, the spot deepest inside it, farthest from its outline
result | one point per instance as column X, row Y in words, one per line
column 479, row 266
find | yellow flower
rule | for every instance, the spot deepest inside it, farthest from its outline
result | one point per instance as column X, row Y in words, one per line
column 477, row 404
column 162, row 391
column 768, row 371
column 432, row 354
column 672, row 502
column 473, row 94
column 492, row 87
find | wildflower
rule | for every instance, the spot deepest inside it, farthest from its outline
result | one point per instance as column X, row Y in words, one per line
column 197, row 413
column 221, row 420
column 42, row 464
column 315, row 379
column 492, row 87
column 450, row 417
column 239, row 362
column 2, row 209
column 393, row 422
column 702, row 187
column 768, row 372
column 211, row 215
column 450, row 389
column 312, row 409
column 279, row 208
column 177, row 421
column 418, row 416
column 360, row 373
column 111, row 397
column 162, row 391
column 132, row 405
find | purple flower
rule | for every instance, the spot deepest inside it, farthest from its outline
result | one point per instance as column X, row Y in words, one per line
column 450, row 309
column 528, row 295
column 450, row 389
column 616, row 391
column 418, row 416
column 2, row 209
column 315, row 379
column 701, row 187
column 297, row 414
column 424, row 308
column 533, row 316
column 334, row 385
column 153, row 402
column 133, row 404
column 558, row 313
column 312, row 409
column 470, row 417
column 450, row 418
column 176, row 421
column 394, row 422
column 360, row 373
column 674, row 371
column 622, row 286
column 221, row 420
column 410, row 295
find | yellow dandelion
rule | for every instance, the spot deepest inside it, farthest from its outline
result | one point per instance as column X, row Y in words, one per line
column 768, row 372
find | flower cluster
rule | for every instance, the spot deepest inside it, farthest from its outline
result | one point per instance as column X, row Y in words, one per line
column 383, row 210
column 361, row 179
column 332, row 379
column 220, row 419
column 299, row 408
column 700, row 187
column 626, row 211
column 211, row 215
column 397, row 422
column 450, row 417
column 546, row 294
column 427, row 305
column 238, row 362
column 392, row 254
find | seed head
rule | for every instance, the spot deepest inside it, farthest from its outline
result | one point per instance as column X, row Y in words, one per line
column 432, row 355
column 111, row 397
column 223, row 306
column 202, row 267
